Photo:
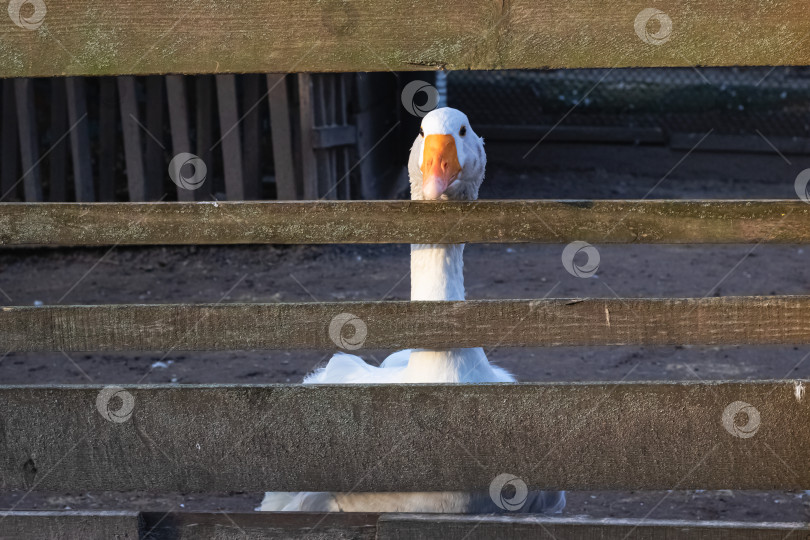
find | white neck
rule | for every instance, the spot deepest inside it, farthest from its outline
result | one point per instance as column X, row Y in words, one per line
column 437, row 273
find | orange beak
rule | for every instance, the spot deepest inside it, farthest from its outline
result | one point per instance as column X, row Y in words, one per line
column 439, row 165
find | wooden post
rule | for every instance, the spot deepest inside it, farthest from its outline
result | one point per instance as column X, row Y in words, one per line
column 205, row 134
column 156, row 164
column 281, row 133
column 57, row 189
column 229, row 137
column 29, row 145
column 345, row 189
column 132, row 139
column 108, row 134
column 251, row 98
column 308, row 160
column 378, row 169
column 178, row 118
column 80, row 139
column 9, row 146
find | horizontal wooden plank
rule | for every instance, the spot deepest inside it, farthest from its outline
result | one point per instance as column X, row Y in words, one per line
column 381, row 222
column 398, row 437
column 35, row 525
column 142, row 37
column 392, row 325
column 455, row 527
column 359, row 526
column 259, row 525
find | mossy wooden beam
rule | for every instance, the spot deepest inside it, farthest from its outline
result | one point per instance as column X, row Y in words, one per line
column 97, row 37
column 169, row 438
column 391, row 325
column 381, row 222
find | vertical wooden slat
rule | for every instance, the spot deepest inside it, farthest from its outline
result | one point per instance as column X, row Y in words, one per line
column 331, row 119
column 9, row 146
column 80, row 139
column 320, row 84
column 345, row 188
column 156, row 165
column 57, row 188
column 367, row 119
column 108, row 135
column 29, row 145
column 178, row 119
column 205, row 133
column 281, row 134
column 229, row 133
column 251, row 133
column 132, row 139
column 308, row 163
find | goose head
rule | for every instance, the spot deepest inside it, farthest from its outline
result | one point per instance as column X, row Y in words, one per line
column 447, row 158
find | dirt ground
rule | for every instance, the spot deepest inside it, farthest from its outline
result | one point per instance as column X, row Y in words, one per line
column 320, row 273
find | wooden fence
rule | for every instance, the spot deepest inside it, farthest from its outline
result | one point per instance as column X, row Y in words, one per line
column 396, row 438
column 107, row 139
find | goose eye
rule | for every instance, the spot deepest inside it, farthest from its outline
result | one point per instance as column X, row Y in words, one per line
column 463, row 131
column 421, row 132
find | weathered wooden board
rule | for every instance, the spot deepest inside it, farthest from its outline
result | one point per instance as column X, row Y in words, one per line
column 359, row 526
column 260, row 526
column 287, row 184
column 515, row 527
column 149, row 36
column 390, row 325
column 169, row 438
column 381, row 222
column 36, row 525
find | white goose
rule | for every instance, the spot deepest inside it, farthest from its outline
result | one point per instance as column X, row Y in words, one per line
column 447, row 162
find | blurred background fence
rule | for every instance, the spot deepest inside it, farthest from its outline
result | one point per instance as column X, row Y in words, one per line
column 342, row 136
column 734, row 101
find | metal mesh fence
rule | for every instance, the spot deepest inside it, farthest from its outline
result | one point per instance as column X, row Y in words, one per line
column 730, row 100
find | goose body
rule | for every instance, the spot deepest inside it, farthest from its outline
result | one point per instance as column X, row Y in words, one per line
column 447, row 161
